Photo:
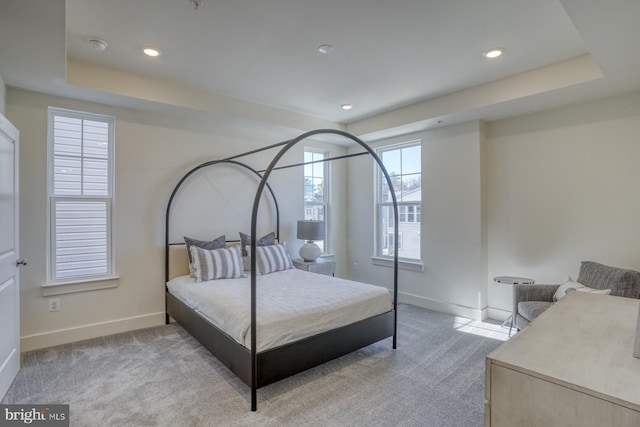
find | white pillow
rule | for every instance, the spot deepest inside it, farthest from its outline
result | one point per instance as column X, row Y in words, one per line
column 569, row 286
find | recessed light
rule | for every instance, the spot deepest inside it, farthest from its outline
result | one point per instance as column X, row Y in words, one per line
column 346, row 106
column 493, row 53
column 326, row 48
column 149, row 51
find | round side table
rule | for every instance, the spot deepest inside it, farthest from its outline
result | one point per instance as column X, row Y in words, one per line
column 512, row 280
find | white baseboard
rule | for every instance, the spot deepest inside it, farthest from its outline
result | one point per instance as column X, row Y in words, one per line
column 443, row 307
column 498, row 314
column 79, row 333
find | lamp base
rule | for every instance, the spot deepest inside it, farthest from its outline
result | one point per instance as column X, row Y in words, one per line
column 310, row 252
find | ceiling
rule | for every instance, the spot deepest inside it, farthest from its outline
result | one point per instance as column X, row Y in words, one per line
column 404, row 65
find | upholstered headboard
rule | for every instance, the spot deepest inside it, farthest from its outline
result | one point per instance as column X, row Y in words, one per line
column 179, row 262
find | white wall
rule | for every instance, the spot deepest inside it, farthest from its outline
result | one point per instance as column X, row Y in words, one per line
column 532, row 196
column 152, row 153
column 452, row 223
column 527, row 196
column 563, row 188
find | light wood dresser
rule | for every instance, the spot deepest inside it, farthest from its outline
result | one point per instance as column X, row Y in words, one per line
column 572, row 366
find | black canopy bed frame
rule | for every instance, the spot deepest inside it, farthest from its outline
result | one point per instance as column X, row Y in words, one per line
column 257, row 369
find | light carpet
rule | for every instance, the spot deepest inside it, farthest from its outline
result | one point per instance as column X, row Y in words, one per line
column 162, row 377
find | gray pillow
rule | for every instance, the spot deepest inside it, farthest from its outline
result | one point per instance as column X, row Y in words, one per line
column 273, row 258
column 217, row 243
column 267, row 240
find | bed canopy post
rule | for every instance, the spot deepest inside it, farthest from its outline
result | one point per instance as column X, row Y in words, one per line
column 254, row 217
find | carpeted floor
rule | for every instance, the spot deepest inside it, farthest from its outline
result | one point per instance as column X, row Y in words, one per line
column 162, row 377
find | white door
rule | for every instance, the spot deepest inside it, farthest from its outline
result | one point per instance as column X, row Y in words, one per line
column 9, row 275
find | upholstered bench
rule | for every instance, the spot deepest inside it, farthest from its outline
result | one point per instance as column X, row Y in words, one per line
column 529, row 301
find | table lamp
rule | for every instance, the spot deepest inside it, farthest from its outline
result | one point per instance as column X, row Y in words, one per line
column 310, row 231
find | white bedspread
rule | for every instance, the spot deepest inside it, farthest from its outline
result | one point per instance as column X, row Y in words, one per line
column 291, row 304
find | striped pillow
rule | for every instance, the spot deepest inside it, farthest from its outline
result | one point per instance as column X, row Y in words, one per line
column 217, row 243
column 217, row 263
column 273, row 258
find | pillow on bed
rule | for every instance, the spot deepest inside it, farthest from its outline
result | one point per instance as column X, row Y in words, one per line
column 217, row 263
column 217, row 243
column 273, row 258
column 266, row 240
column 245, row 243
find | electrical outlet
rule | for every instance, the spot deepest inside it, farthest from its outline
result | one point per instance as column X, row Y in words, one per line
column 54, row 304
column 355, row 266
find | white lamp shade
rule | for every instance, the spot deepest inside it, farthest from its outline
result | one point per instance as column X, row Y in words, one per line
column 310, row 230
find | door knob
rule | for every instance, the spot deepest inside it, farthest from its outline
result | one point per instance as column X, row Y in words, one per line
column 21, row 262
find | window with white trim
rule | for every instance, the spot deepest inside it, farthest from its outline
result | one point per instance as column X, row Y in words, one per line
column 403, row 164
column 316, row 194
column 80, row 190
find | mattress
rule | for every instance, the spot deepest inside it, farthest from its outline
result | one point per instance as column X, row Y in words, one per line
column 291, row 304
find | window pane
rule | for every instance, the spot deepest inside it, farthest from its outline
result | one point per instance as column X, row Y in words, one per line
column 95, row 177
column 318, row 170
column 411, row 188
column 95, row 138
column 410, row 232
column 411, row 159
column 81, row 231
column 396, row 181
column 308, row 169
column 67, row 176
column 318, row 189
column 391, row 160
column 386, row 230
column 308, row 189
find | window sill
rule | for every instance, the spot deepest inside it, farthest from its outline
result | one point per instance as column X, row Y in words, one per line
column 71, row 286
column 402, row 264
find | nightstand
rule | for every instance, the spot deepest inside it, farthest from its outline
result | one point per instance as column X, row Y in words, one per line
column 320, row 265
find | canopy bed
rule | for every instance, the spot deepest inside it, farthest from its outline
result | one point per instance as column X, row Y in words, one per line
column 304, row 319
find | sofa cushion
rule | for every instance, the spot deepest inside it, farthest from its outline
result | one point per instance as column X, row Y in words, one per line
column 532, row 309
column 570, row 286
column 622, row 282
